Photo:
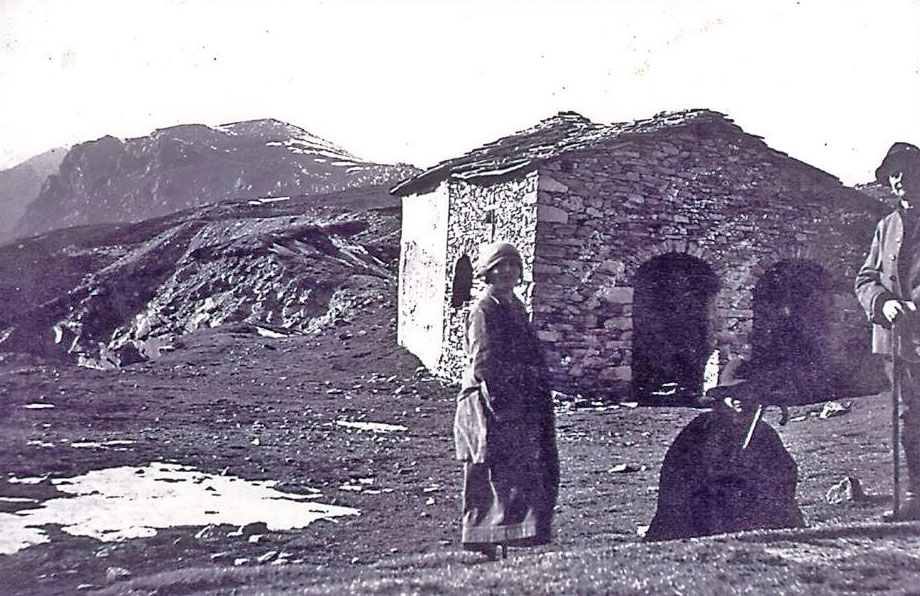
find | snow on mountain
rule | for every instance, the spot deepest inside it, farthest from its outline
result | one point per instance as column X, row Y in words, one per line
column 112, row 180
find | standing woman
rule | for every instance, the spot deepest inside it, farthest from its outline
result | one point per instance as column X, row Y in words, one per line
column 504, row 428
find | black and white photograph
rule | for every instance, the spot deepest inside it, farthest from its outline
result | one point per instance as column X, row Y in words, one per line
column 448, row 297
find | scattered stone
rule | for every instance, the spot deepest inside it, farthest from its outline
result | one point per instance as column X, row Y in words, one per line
column 129, row 354
column 114, row 574
column 209, row 532
column 710, row 485
column 833, row 408
column 249, row 530
column 559, row 396
column 265, row 558
column 620, row 468
column 254, row 528
column 848, row 490
column 579, row 402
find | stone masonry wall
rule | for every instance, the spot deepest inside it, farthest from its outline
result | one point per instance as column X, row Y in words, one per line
column 723, row 198
column 480, row 214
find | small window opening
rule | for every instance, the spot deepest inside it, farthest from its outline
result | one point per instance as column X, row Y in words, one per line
column 463, row 282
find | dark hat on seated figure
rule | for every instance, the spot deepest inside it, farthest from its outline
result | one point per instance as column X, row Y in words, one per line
column 901, row 156
column 734, row 373
column 733, row 381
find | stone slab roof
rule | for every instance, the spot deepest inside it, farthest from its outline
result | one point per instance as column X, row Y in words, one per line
column 563, row 133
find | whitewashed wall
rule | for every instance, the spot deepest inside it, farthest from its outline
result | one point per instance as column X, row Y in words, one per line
column 422, row 270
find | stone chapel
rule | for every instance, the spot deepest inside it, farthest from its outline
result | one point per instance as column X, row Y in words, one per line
column 648, row 245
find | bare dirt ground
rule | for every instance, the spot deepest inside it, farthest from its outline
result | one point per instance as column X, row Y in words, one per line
column 233, row 402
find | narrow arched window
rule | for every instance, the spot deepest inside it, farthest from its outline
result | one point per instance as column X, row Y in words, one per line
column 463, row 282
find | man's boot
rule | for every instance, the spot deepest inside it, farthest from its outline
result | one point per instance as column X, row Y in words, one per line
column 910, row 441
column 910, row 506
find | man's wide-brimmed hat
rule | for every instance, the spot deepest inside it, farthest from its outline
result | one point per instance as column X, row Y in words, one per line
column 493, row 254
column 900, row 157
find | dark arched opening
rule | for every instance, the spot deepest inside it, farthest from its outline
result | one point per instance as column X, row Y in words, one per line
column 671, row 312
column 789, row 339
column 462, row 287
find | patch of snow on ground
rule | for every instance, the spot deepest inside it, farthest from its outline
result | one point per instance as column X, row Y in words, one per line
column 265, row 200
column 27, row 480
column 372, row 426
column 117, row 504
column 94, row 444
column 37, row 443
column 269, row 333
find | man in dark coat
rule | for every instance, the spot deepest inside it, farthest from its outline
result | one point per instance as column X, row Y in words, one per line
column 888, row 287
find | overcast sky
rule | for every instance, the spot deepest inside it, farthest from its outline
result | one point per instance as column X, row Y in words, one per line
column 831, row 82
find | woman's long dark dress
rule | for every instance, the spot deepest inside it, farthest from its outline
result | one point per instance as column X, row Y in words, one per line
column 511, row 476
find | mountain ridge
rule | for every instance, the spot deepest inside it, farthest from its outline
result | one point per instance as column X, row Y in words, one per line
column 21, row 184
column 113, row 180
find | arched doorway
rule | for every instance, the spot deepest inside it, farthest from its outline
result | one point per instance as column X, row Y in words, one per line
column 671, row 312
column 793, row 303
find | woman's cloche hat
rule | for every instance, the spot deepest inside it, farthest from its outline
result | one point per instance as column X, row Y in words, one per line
column 492, row 254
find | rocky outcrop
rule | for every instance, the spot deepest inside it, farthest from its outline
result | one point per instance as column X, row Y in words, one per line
column 111, row 180
column 125, row 293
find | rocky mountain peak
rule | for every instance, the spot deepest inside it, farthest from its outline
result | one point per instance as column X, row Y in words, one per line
column 111, row 180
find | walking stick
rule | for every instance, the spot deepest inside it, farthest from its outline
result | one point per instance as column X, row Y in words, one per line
column 758, row 414
column 896, row 373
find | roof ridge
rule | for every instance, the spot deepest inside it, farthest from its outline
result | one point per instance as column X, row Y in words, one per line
column 560, row 133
